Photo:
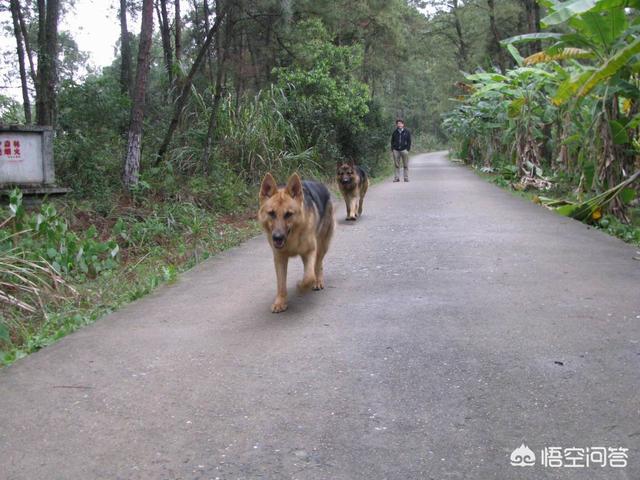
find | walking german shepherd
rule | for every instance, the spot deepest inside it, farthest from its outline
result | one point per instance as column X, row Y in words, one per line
column 353, row 182
column 298, row 220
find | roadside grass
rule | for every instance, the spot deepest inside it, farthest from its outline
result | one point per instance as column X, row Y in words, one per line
column 157, row 240
column 93, row 256
column 563, row 190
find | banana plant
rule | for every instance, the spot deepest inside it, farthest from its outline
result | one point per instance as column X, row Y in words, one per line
column 599, row 49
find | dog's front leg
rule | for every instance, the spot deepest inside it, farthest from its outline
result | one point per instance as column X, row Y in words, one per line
column 354, row 206
column 309, row 279
column 347, row 202
column 280, row 303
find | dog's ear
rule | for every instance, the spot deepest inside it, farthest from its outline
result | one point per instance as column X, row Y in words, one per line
column 268, row 188
column 351, row 162
column 294, row 186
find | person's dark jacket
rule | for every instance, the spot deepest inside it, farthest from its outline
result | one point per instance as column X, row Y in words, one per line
column 401, row 140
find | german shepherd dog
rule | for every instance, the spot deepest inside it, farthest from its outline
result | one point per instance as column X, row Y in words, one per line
column 353, row 182
column 298, row 220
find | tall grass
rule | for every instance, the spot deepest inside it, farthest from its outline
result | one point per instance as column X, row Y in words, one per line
column 255, row 138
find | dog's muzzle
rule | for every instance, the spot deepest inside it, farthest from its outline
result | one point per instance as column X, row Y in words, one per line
column 278, row 239
column 346, row 180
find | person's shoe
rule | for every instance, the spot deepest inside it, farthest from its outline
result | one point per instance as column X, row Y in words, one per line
column 406, row 179
column 396, row 180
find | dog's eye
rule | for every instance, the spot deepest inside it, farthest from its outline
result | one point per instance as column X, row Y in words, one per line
column 272, row 214
column 288, row 214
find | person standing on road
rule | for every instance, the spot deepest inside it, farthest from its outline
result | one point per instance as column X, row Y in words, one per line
column 400, row 147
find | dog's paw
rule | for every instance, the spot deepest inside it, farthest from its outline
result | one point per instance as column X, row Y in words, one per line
column 278, row 307
column 319, row 285
column 351, row 219
column 306, row 284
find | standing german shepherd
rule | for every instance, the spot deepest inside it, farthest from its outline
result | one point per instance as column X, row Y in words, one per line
column 298, row 220
column 353, row 182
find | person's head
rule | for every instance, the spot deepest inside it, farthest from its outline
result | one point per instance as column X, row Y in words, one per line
column 400, row 123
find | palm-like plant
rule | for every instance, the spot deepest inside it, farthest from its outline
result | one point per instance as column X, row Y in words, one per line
column 599, row 49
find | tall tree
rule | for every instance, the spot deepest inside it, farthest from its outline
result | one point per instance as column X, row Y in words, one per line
column 186, row 88
column 48, row 15
column 125, row 51
column 131, row 169
column 495, row 36
column 463, row 54
column 532, row 12
column 27, row 44
column 221, row 56
column 20, row 50
column 165, row 35
column 178, row 32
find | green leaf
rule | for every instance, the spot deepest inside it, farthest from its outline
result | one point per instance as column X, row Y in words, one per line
column 4, row 333
column 515, row 107
column 634, row 122
column 627, row 195
column 515, row 54
column 619, row 132
column 566, row 10
column 567, row 210
column 567, row 89
column 610, row 67
column 530, row 37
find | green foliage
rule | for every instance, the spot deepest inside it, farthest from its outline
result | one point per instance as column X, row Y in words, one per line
column 556, row 114
column 325, row 100
column 89, row 142
column 46, row 235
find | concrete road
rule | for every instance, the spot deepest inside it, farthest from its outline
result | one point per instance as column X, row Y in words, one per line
column 459, row 322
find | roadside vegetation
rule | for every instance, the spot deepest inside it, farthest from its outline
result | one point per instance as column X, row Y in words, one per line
column 562, row 123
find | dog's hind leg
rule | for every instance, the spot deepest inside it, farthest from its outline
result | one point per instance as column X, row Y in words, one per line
column 363, row 191
column 324, row 239
column 280, row 303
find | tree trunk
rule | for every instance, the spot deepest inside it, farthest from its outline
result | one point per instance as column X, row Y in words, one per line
column 165, row 33
column 496, row 36
column 207, row 25
column 178, row 32
column 125, row 51
column 221, row 56
column 532, row 11
column 47, row 61
column 132, row 158
column 186, row 88
column 15, row 7
column 27, row 44
column 462, row 45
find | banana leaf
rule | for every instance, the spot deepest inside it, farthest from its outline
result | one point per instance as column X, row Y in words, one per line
column 591, row 209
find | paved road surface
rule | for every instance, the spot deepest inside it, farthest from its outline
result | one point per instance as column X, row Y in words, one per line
column 459, row 322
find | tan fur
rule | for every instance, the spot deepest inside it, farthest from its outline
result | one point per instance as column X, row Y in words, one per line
column 353, row 192
column 282, row 211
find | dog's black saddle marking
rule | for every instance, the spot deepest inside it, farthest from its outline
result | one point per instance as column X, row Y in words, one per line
column 361, row 173
column 315, row 193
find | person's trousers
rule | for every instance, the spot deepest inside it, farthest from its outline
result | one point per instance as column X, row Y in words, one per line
column 401, row 160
